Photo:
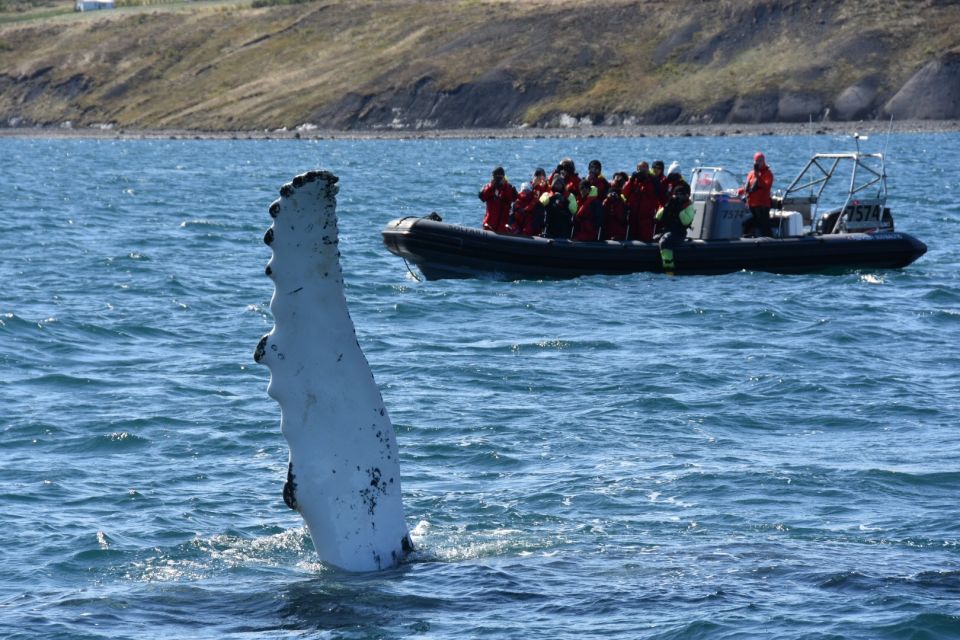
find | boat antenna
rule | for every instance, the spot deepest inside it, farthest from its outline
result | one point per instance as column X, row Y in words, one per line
column 883, row 160
column 889, row 131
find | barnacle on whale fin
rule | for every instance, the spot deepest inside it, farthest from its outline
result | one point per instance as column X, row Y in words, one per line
column 343, row 475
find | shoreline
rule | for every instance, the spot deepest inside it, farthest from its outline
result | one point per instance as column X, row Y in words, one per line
column 647, row 131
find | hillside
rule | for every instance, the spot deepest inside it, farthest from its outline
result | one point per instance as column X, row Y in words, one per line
column 367, row 64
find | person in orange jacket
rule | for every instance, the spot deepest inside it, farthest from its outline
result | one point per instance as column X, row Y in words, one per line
column 498, row 194
column 757, row 192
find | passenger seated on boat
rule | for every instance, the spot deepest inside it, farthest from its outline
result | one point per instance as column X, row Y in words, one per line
column 642, row 193
column 588, row 220
column 559, row 207
column 595, row 178
column 498, row 194
column 757, row 192
column 539, row 182
column 677, row 216
column 615, row 213
column 526, row 216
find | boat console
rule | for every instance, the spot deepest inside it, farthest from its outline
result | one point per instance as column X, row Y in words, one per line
column 720, row 213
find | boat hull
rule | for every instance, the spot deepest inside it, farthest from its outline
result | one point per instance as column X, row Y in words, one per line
column 443, row 250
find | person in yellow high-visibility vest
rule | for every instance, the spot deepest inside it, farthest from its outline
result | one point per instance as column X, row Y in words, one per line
column 676, row 217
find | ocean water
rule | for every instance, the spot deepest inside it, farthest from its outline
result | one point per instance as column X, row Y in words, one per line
column 738, row 456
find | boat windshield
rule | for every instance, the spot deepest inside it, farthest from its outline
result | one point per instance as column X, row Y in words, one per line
column 711, row 181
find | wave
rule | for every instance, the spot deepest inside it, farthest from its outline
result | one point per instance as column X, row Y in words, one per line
column 949, row 480
column 61, row 381
column 107, row 443
column 205, row 223
column 922, row 625
column 16, row 324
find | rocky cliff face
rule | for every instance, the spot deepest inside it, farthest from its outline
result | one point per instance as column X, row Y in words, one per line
column 933, row 92
column 396, row 64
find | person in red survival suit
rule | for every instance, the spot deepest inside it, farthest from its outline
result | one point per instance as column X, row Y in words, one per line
column 539, row 183
column 589, row 217
column 498, row 194
column 567, row 170
column 615, row 211
column 660, row 185
column 526, row 217
column 595, row 179
column 757, row 191
column 642, row 192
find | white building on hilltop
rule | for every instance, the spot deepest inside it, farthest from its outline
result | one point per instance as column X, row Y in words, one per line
column 93, row 5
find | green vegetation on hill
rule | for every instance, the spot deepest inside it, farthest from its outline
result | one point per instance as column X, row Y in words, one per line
column 237, row 64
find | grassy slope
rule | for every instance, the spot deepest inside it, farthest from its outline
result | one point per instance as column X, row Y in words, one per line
column 228, row 66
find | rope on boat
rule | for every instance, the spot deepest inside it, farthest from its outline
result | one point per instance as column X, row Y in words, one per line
column 410, row 271
column 433, row 215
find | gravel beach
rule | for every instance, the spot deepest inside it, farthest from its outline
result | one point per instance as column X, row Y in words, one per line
column 653, row 131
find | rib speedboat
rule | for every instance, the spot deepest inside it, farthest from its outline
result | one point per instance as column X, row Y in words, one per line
column 857, row 234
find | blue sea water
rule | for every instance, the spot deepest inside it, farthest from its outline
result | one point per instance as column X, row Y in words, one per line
column 644, row 456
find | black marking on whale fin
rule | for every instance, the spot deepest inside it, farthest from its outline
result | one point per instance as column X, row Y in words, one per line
column 371, row 494
column 261, row 349
column 290, row 489
column 406, row 545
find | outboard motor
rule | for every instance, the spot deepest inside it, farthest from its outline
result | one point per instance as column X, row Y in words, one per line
column 827, row 221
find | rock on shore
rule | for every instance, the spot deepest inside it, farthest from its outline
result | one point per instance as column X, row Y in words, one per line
column 932, row 93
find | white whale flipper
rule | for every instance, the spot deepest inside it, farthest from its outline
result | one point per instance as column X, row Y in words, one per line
column 344, row 474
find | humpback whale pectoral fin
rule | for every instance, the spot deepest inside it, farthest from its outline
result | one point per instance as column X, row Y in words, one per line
column 326, row 390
